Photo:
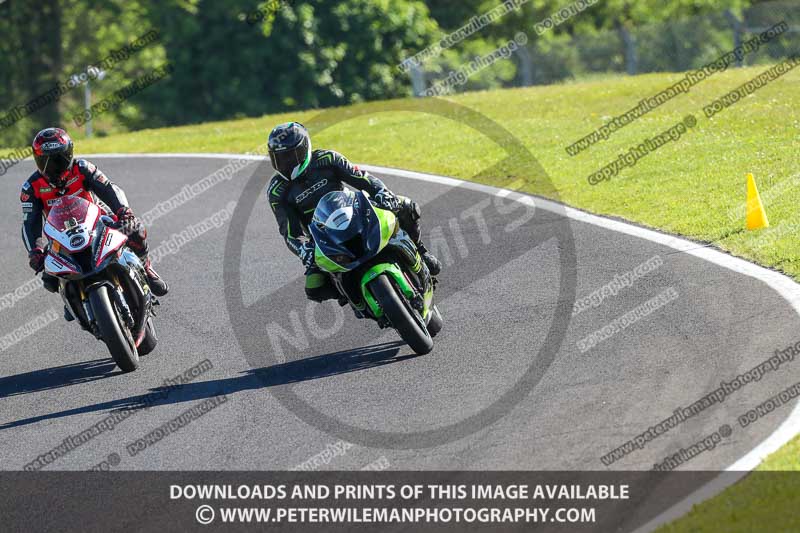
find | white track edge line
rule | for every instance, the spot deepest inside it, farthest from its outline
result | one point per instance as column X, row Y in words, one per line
column 780, row 283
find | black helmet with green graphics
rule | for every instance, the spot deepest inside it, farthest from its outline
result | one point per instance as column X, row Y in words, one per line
column 289, row 149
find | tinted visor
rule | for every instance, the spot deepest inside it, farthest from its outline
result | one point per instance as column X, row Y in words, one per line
column 54, row 165
column 285, row 161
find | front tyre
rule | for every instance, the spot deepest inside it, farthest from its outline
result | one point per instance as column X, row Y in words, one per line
column 108, row 325
column 404, row 319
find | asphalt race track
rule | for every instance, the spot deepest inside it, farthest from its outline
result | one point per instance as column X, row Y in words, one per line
column 295, row 379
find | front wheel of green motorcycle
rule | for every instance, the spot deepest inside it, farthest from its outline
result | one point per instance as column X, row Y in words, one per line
column 404, row 319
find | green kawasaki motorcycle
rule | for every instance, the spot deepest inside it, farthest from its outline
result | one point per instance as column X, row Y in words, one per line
column 376, row 266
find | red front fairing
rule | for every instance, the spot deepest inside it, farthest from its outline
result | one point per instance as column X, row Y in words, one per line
column 71, row 222
column 81, row 243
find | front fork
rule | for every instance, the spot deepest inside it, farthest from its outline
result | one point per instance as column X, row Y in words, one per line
column 419, row 300
column 77, row 304
column 131, row 267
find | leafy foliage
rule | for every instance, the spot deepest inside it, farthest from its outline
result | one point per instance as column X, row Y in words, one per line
column 244, row 58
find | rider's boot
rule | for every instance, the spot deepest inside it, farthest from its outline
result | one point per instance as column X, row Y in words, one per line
column 409, row 215
column 157, row 285
column 319, row 287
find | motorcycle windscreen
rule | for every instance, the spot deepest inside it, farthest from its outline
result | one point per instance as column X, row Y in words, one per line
column 343, row 224
column 65, row 209
column 71, row 222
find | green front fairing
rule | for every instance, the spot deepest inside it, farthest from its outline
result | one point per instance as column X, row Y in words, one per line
column 395, row 273
column 428, row 301
column 388, row 222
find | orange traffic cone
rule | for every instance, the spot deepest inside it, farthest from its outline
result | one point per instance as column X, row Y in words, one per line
column 756, row 216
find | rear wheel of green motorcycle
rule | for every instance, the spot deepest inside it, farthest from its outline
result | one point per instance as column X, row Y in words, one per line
column 404, row 319
column 108, row 323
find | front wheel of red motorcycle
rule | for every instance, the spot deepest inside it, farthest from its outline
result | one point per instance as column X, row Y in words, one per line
column 108, row 324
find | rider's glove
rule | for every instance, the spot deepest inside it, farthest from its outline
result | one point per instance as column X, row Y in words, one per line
column 128, row 223
column 307, row 254
column 36, row 259
column 386, row 199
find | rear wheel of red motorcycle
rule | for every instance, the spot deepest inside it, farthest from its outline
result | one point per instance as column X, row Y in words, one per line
column 108, row 324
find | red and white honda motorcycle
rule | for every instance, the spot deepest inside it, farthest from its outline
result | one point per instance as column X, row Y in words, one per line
column 101, row 281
